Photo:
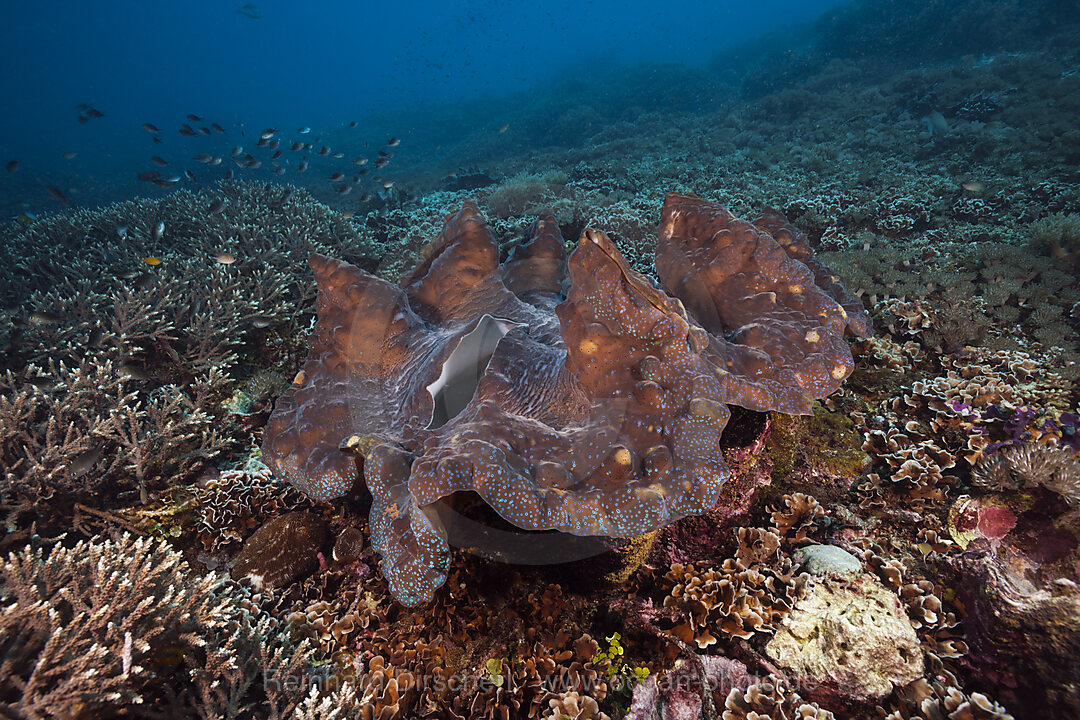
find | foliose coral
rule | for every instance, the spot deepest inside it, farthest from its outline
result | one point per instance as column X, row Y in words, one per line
column 747, row 594
column 597, row 414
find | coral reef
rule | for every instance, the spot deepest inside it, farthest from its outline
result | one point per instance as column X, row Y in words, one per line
column 1029, row 465
column 114, row 369
column 749, row 593
column 282, row 551
column 929, row 166
column 770, row 700
column 106, row 625
column 852, row 635
column 613, row 426
column 231, row 505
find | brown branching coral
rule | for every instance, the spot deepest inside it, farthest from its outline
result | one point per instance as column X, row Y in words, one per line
column 104, row 624
column 115, row 369
column 81, row 427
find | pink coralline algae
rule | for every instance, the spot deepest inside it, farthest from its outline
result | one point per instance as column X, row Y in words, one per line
column 570, row 394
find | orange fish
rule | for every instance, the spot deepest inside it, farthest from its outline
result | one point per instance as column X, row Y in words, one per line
column 152, row 260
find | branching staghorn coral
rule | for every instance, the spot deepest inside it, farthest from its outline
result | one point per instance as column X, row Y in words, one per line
column 93, row 428
column 122, row 342
column 106, row 624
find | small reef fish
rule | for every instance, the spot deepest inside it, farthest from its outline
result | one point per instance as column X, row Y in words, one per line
column 84, row 460
column 225, row 258
column 304, row 130
column 25, row 219
column 159, row 230
column 187, row 131
column 55, row 192
column 88, row 113
column 504, row 128
column 151, row 128
column 216, row 205
column 393, row 142
column 69, row 155
column 935, row 123
column 262, row 321
column 121, row 231
column 974, row 187
column 151, row 260
column 43, row 317
column 250, row 11
column 217, row 128
column 132, row 372
column 336, row 177
column 159, row 161
column 11, row 165
column 267, row 133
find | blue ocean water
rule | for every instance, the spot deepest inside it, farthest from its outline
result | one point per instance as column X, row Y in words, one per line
column 288, row 66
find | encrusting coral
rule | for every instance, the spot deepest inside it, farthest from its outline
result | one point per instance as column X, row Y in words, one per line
column 597, row 414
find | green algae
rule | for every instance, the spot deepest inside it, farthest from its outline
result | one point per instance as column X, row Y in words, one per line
column 824, row 443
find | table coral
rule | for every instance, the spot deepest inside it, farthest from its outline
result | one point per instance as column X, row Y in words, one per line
column 571, row 394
